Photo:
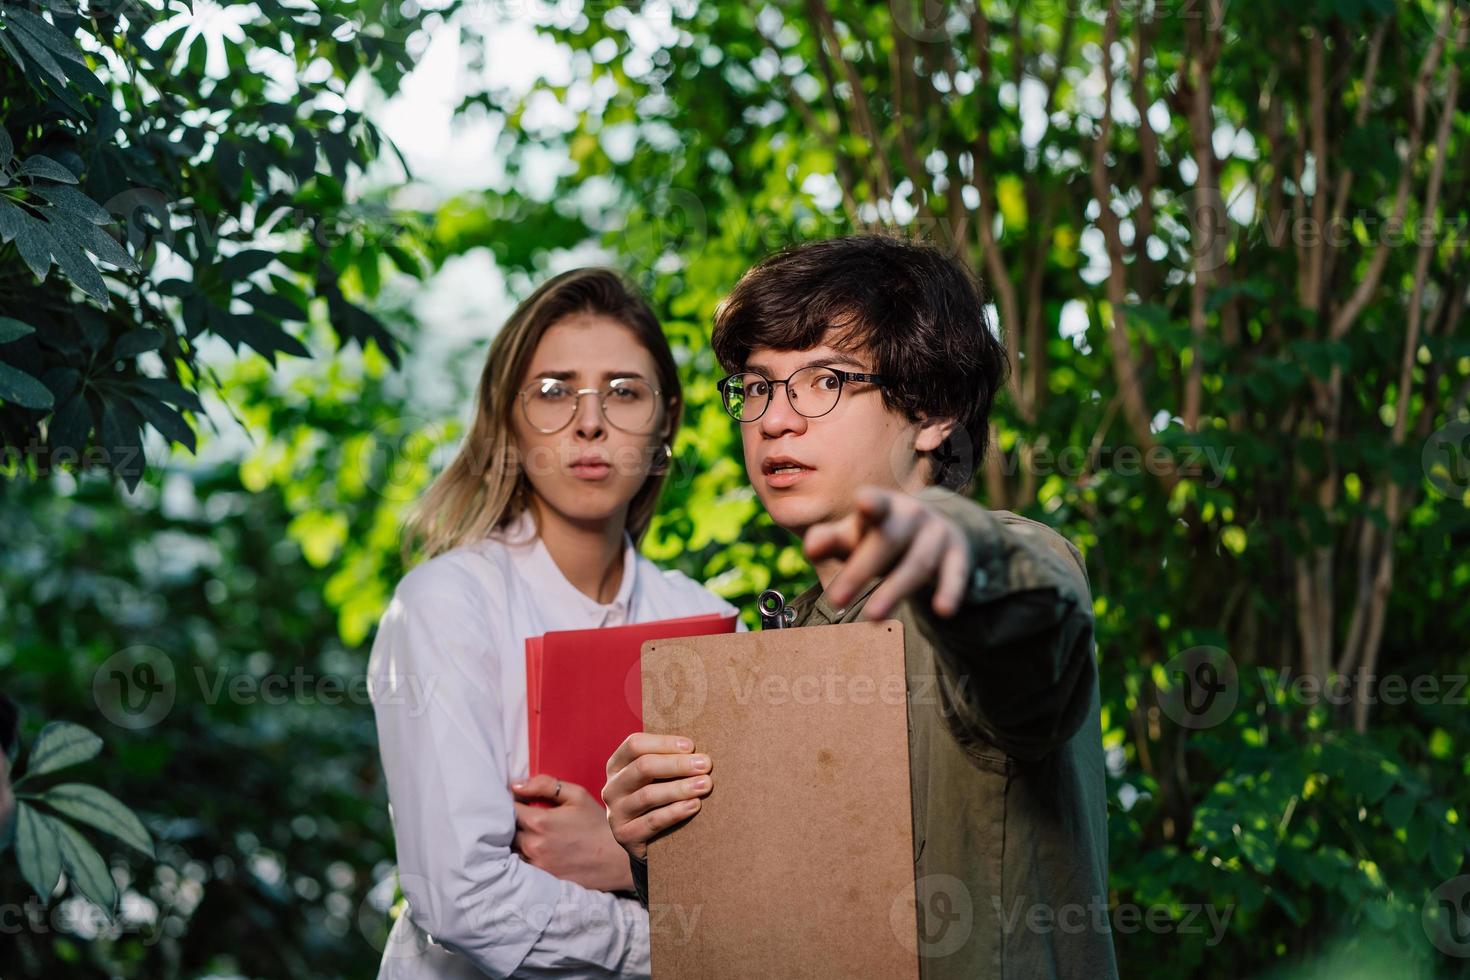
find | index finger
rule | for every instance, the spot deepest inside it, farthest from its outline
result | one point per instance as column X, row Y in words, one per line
column 833, row 538
column 646, row 743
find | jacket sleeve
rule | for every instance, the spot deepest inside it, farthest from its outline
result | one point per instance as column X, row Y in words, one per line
column 434, row 682
column 640, row 878
column 1017, row 661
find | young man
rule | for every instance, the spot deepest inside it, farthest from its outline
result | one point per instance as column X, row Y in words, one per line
column 863, row 373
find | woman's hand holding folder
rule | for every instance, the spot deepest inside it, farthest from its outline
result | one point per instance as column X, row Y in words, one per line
column 654, row 782
column 567, row 835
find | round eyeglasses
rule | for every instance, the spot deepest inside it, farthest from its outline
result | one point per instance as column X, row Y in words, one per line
column 812, row 391
column 630, row 404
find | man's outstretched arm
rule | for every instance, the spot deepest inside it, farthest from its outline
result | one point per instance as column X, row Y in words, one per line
column 1003, row 600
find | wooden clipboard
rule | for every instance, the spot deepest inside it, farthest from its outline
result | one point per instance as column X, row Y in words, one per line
column 800, row 862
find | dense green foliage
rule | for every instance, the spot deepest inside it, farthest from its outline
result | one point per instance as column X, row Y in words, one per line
column 259, row 793
column 1227, row 250
column 201, row 158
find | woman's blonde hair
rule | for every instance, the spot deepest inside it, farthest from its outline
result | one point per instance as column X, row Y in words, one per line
column 484, row 488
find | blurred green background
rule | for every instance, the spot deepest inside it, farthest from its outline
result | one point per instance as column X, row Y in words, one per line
column 251, row 256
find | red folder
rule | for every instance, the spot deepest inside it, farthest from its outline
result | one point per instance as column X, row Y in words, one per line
column 584, row 693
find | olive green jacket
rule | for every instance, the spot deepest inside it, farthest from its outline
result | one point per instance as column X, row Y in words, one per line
column 1005, row 758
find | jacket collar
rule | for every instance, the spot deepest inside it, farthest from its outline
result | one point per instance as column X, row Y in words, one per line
column 813, row 609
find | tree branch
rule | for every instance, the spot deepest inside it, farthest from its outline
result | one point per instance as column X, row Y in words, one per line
column 1350, row 311
column 1124, row 365
column 1383, row 580
column 862, row 115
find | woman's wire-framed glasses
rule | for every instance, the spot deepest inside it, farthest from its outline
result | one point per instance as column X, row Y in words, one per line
column 630, row 404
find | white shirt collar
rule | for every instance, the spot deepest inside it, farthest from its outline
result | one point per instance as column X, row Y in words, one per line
column 535, row 563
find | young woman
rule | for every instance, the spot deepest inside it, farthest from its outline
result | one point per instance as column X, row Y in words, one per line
column 533, row 527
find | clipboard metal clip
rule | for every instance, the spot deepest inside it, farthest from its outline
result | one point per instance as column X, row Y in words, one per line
column 775, row 614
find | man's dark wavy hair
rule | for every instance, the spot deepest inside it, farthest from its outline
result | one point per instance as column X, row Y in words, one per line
column 916, row 311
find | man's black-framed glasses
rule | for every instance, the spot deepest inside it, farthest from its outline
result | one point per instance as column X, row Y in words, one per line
column 630, row 404
column 813, row 391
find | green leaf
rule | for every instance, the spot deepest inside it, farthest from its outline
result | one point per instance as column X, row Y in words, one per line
column 1445, row 854
column 43, row 166
column 403, row 259
column 197, row 58
column 66, row 97
column 339, row 153
column 1287, row 905
column 119, row 431
column 1421, row 830
column 61, row 744
column 257, row 332
column 135, row 342
column 72, row 201
column 291, row 292
column 1380, row 914
column 34, row 241
column 101, row 244
column 242, row 265
column 1258, row 847
column 97, row 808
column 7, row 148
column 168, row 391
column 366, row 263
column 1398, row 808
column 1374, row 781
column 69, row 426
column 38, row 53
column 1329, row 866
column 78, row 268
column 86, row 868
column 272, row 304
column 12, row 219
column 53, row 39
column 37, row 850
column 176, row 287
column 356, row 323
column 13, row 329
column 19, row 388
column 166, row 420
column 226, row 161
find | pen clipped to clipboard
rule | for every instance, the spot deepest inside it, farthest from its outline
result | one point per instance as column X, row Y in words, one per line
column 774, row 612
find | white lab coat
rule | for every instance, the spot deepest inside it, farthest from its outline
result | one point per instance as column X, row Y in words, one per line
column 448, row 684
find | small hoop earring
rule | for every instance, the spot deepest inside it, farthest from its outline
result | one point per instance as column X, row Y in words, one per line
column 662, row 465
